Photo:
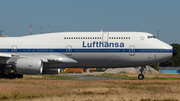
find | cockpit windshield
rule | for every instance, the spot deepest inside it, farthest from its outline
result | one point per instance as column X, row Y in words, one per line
column 151, row 37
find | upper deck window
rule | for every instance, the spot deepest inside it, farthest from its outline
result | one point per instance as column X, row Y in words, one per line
column 82, row 37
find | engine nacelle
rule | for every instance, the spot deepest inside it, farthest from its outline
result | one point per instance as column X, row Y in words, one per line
column 29, row 66
column 51, row 71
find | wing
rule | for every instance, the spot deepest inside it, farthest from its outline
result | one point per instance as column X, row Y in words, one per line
column 50, row 58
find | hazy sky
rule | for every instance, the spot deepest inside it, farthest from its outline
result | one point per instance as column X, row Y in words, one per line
column 91, row 15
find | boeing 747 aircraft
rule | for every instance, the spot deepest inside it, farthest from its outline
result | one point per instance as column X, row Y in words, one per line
column 46, row 53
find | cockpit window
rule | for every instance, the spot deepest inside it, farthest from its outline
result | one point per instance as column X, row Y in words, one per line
column 151, row 37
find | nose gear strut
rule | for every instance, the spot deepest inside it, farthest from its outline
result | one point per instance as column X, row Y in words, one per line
column 141, row 76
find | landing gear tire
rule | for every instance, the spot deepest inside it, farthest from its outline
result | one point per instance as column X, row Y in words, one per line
column 11, row 76
column 141, row 76
column 19, row 75
column 2, row 75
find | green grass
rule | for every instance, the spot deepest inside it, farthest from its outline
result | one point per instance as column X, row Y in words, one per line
column 89, row 75
column 125, row 76
column 114, row 76
column 63, row 73
column 43, row 76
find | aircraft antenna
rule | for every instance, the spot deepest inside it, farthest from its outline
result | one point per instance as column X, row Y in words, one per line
column 41, row 29
column 158, row 34
column 30, row 29
column 48, row 28
column 2, row 31
column 101, row 30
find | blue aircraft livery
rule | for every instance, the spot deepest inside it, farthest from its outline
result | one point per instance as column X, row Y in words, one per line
column 100, row 44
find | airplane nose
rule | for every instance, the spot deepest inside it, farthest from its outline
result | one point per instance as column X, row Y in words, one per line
column 174, row 52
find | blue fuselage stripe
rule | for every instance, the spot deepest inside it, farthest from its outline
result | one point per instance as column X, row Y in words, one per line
column 89, row 50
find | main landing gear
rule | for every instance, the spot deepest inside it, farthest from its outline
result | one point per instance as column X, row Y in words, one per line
column 5, row 72
column 10, row 76
column 141, row 76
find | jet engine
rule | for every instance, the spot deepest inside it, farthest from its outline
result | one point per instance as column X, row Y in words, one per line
column 29, row 66
column 51, row 71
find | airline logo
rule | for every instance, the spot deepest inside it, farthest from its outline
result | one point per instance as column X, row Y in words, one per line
column 100, row 44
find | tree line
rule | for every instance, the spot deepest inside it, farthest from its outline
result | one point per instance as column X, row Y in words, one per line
column 175, row 61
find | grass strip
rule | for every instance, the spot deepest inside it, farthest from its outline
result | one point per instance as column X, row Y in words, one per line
column 44, row 76
column 127, row 77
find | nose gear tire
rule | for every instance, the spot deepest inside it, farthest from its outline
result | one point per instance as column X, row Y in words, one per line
column 141, row 76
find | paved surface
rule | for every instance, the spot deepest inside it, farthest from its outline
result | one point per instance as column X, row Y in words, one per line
column 82, row 76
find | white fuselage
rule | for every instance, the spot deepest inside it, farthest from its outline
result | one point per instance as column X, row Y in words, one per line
column 91, row 49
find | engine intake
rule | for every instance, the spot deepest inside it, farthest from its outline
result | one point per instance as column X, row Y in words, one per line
column 29, row 66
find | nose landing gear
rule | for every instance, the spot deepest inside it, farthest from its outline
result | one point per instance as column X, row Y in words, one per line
column 141, row 76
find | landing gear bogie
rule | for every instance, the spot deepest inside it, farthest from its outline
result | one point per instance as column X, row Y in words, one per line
column 10, row 76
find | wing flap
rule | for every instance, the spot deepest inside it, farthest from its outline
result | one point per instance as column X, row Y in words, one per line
column 63, row 60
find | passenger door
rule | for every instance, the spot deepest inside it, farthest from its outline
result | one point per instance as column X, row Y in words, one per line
column 14, row 49
column 105, row 37
column 131, row 50
column 69, row 50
